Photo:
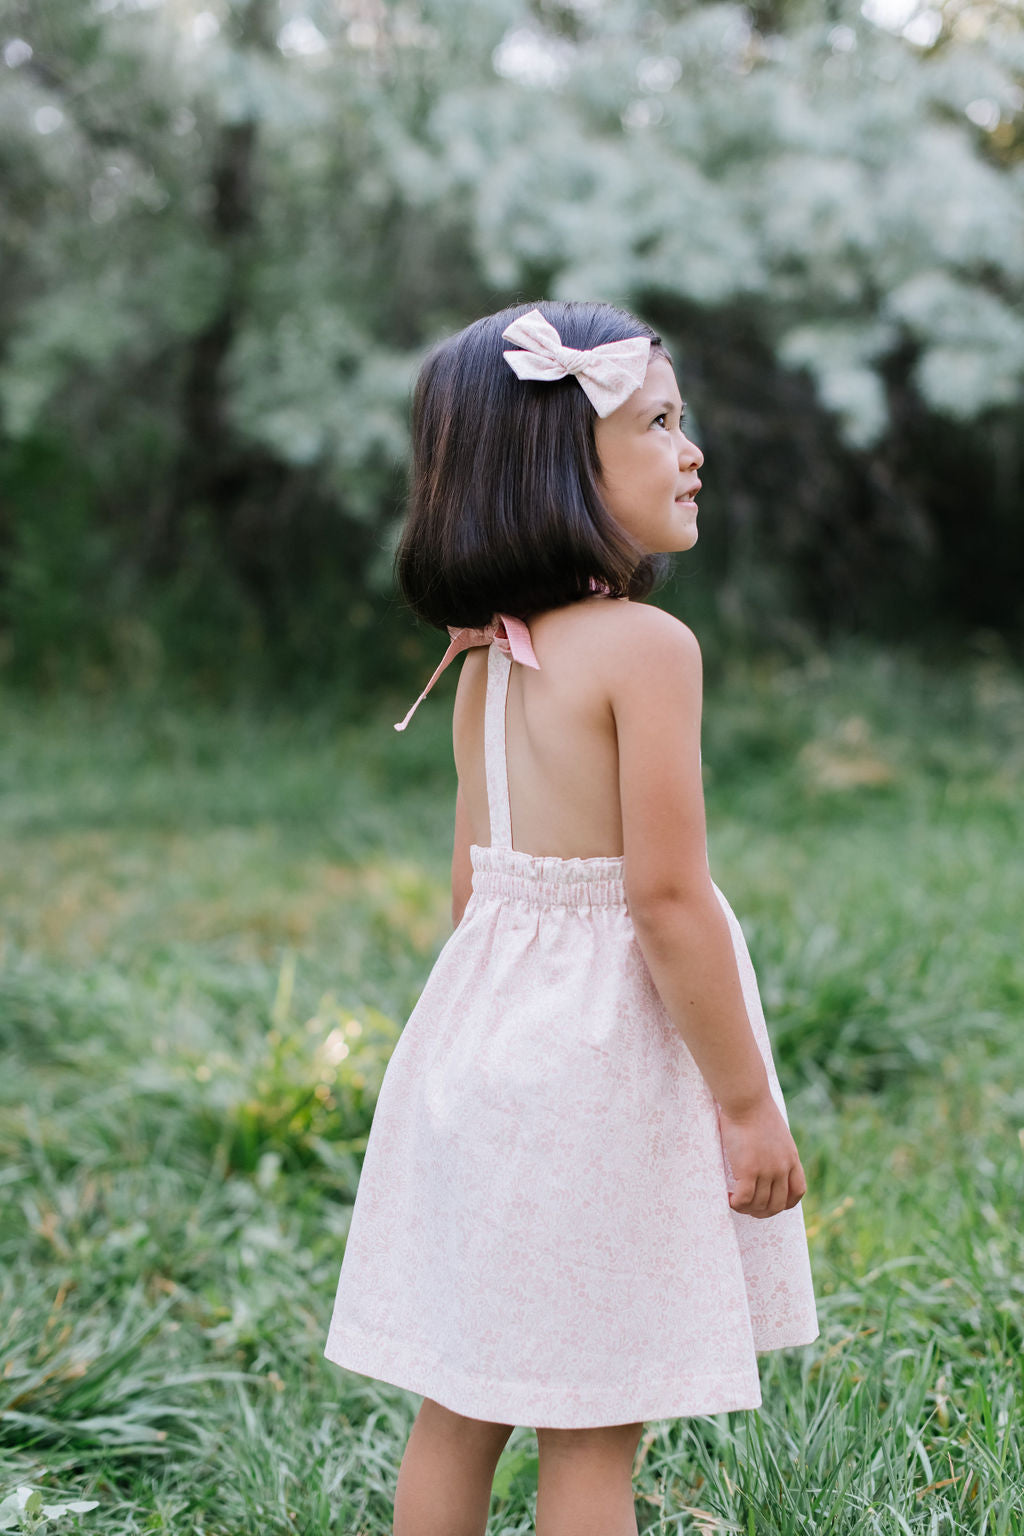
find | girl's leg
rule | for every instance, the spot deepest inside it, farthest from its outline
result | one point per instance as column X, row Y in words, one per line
column 585, row 1481
column 444, row 1482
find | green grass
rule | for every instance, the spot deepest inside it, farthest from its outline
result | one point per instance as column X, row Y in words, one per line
column 212, row 924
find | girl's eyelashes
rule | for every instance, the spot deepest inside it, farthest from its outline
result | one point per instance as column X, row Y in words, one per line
column 662, row 418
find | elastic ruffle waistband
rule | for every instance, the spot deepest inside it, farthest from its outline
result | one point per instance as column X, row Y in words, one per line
column 542, row 880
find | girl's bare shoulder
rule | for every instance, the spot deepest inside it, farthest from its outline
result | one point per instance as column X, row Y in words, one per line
column 621, row 620
column 614, row 644
column 632, row 638
column 624, row 660
column 646, row 621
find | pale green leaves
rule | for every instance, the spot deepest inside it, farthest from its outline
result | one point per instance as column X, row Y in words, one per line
column 24, row 1510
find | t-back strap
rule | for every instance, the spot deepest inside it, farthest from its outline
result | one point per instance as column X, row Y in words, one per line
column 499, row 805
column 505, row 631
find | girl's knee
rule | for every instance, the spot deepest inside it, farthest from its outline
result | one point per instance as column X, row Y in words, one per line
column 446, row 1421
column 605, row 1440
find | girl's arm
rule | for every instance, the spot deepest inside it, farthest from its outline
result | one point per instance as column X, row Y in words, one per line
column 656, row 686
column 462, row 869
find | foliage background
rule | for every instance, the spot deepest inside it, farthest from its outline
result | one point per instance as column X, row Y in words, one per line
column 234, row 226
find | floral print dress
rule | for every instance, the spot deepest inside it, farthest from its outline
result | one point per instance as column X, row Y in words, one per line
column 542, row 1233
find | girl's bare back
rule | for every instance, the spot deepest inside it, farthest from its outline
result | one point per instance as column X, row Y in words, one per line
column 562, row 751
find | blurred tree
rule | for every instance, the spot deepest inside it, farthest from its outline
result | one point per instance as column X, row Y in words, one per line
column 233, row 226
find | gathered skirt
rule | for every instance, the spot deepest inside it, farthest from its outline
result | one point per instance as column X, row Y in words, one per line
column 542, row 1233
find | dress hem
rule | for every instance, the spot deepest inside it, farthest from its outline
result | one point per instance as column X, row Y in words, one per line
column 537, row 1407
column 792, row 1340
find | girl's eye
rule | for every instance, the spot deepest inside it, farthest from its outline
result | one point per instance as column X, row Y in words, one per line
column 659, row 421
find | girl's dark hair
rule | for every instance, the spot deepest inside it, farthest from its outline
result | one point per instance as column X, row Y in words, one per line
column 505, row 509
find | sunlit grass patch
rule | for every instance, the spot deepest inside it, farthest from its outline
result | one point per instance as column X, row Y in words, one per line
column 81, row 895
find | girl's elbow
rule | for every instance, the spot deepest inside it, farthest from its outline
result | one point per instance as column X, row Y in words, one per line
column 671, row 904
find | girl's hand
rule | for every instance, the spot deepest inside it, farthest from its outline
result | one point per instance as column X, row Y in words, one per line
column 763, row 1160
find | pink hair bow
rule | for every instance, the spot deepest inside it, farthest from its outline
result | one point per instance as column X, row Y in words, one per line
column 608, row 374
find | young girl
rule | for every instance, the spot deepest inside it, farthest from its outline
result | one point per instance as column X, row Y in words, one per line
column 579, row 1207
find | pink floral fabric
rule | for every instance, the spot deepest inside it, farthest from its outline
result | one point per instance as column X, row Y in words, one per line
column 542, row 1233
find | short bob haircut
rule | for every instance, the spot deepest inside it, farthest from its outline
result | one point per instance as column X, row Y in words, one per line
column 505, row 510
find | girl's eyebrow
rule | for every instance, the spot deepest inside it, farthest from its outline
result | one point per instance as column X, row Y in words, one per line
column 659, row 406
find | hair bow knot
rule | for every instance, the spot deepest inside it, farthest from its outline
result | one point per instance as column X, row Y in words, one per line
column 608, row 374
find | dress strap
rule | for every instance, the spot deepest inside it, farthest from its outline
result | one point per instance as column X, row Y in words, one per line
column 499, row 805
column 504, row 633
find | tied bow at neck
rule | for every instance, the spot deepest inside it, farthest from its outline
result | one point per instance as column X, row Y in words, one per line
column 505, row 631
column 608, row 375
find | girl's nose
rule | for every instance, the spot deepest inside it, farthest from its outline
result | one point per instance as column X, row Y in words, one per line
column 689, row 453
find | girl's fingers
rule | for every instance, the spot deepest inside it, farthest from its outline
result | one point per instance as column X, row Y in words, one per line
column 741, row 1197
column 779, row 1195
column 797, row 1187
column 771, row 1197
column 762, row 1196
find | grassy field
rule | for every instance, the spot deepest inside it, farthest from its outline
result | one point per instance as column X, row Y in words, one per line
column 213, row 923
